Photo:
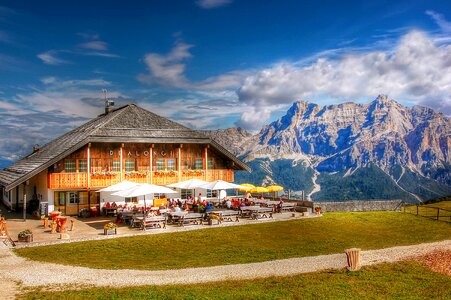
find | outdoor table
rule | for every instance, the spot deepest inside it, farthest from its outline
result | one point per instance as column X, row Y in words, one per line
column 61, row 224
column 110, row 210
column 54, row 215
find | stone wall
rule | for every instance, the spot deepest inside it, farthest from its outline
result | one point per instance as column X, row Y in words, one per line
column 359, row 205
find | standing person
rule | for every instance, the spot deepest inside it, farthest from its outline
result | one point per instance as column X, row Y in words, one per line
column 199, row 199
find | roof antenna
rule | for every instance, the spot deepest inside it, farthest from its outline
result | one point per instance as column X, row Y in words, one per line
column 109, row 104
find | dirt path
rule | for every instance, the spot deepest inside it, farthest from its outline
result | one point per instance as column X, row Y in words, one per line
column 32, row 273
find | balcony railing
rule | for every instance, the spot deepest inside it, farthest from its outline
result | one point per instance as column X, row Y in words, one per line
column 57, row 181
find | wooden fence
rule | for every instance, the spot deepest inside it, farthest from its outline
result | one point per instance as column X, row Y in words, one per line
column 431, row 212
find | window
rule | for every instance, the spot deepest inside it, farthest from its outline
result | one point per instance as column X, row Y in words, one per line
column 69, row 166
column 212, row 194
column 209, row 164
column 160, row 164
column 198, row 164
column 129, row 165
column 186, row 193
column 116, row 165
column 131, row 200
column 73, row 197
column 61, row 198
column 82, row 166
column 170, row 162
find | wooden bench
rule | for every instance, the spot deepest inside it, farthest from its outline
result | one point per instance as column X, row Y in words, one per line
column 191, row 218
column 287, row 207
column 153, row 222
column 263, row 212
column 228, row 215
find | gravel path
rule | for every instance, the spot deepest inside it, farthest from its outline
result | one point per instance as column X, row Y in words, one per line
column 32, row 273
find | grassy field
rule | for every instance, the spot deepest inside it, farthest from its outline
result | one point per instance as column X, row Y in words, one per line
column 430, row 211
column 404, row 280
column 332, row 233
column 443, row 204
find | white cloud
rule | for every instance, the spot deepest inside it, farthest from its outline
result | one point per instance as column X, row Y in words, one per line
column 50, row 58
column 208, row 4
column 416, row 71
column 440, row 20
column 169, row 70
column 95, row 45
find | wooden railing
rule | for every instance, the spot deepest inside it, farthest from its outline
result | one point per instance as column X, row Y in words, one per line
column 80, row 180
column 431, row 212
column 67, row 180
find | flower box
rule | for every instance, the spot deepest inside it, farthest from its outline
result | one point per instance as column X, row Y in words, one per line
column 28, row 238
column 110, row 231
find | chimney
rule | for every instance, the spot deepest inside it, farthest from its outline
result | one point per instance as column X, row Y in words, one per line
column 109, row 104
column 36, row 148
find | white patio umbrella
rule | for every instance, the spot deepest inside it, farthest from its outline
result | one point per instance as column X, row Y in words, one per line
column 223, row 185
column 190, row 184
column 143, row 190
column 121, row 186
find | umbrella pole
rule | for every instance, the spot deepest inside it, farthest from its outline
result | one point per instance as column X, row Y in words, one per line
column 145, row 208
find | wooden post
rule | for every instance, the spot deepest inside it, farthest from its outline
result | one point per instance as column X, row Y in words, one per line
column 353, row 259
column 88, row 164
column 205, row 165
column 120, row 154
column 417, row 209
column 438, row 213
column 72, row 225
column 179, row 163
column 25, row 202
column 151, row 163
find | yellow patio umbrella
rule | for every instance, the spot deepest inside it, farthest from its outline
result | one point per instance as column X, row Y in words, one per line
column 274, row 189
column 247, row 185
column 259, row 189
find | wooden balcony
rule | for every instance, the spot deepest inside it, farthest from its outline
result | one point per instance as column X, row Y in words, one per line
column 58, row 181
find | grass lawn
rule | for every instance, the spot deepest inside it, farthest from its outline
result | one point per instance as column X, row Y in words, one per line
column 332, row 233
column 442, row 204
column 404, row 280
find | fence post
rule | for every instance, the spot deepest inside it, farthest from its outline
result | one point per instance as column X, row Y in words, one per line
column 417, row 209
column 438, row 213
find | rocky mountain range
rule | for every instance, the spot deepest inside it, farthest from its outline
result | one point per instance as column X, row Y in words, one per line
column 379, row 150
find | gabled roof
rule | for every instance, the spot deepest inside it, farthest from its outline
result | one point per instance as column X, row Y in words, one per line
column 127, row 124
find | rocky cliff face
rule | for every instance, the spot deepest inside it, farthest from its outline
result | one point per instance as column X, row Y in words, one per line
column 344, row 138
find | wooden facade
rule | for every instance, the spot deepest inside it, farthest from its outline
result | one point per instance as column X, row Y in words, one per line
column 99, row 165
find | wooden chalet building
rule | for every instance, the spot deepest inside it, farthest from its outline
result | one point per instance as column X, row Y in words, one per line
column 127, row 143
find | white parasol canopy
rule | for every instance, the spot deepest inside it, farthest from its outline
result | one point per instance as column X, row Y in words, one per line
column 223, row 185
column 188, row 184
column 144, row 189
column 121, row 186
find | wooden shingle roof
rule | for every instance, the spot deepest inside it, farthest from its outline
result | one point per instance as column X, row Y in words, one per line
column 126, row 124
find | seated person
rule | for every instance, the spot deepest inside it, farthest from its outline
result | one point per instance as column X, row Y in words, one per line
column 114, row 205
column 208, row 207
column 177, row 208
column 185, row 207
column 108, row 205
column 150, row 213
column 228, row 204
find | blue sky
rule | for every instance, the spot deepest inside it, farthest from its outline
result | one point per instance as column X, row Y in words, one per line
column 212, row 63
